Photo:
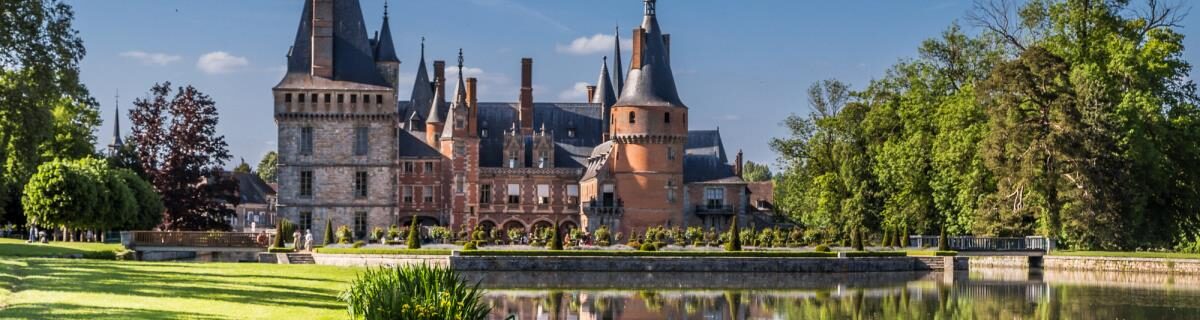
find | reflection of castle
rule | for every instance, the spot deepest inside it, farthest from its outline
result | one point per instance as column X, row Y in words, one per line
column 351, row 151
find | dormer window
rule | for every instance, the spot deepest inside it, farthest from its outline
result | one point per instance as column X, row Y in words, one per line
column 570, row 132
column 366, row 98
column 301, row 97
column 287, row 98
column 483, row 133
column 512, row 162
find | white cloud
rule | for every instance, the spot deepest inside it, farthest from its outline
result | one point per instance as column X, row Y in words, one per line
column 729, row 117
column 599, row 43
column 220, row 62
column 575, row 93
column 151, row 58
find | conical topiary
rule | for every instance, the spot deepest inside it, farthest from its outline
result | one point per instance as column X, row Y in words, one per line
column 943, row 242
column 328, row 233
column 735, row 241
column 856, row 239
column 414, row 234
column 278, row 243
column 556, row 241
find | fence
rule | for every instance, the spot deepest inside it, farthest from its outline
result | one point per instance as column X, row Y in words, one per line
column 971, row 243
column 196, row 239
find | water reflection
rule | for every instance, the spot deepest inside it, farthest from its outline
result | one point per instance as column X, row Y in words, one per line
column 979, row 294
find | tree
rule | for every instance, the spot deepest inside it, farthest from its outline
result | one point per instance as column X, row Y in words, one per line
column 735, row 239
column 268, row 167
column 149, row 204
column 242, row 167
column 45, row 111
column 328, row 239
column 178, row 149
column 59, row 195
column 556, row 240
column 414, row 234
column 856, row 240
column 754, row 172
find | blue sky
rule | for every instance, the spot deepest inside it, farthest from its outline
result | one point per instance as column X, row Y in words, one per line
column 740, row 65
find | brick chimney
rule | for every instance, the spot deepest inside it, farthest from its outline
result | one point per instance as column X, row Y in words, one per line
column 526, row 103
column 439, row 75
column 737, row 167
column 322, row 38
column 639, row 41
column 472, row 107
column 591, row 91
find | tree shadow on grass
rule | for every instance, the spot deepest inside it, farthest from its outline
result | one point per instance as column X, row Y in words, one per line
column 42, row 250
column 102, row 278
column 73, row 311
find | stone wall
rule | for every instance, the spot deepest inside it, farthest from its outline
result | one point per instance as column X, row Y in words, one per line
column 376, row 260
column 686, row 264
column 1189, row 266
column 1000, row 262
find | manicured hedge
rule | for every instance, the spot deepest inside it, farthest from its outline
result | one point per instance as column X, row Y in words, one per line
column 281, row 250
column 432, row 252
column 862, row 254
column 932, row 253
column 613, row 253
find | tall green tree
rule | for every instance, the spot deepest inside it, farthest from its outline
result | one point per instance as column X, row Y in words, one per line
column 755, row 172
column 268, row 167
column 45, row 111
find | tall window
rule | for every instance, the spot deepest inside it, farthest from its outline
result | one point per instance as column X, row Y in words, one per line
column 542, row 160
column 360, row 223
column 632, row 117
column 379, row 99
column 366, row 99
column 607, row 195
column 543, row 193
column 314, row 98
column 306, row 184
column 670, row 153
column 514, row 193
column 360, row 184
column 460, row 184
column 427, row 194
column 428, row 167
column 305, row 221
column 512, row 162
column 341, row 98
column 301, row 96
column 408, row 194
column 360, row 140
column 306, row 141
column 409, row 167
column 572, row 194
column 667, row 117
column 670, row 191
column 287, row 98
column 485, row 193
column 354, row 98
column 714, row 197
column 328, row 97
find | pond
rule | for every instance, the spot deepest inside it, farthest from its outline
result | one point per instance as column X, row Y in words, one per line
column 976, row 294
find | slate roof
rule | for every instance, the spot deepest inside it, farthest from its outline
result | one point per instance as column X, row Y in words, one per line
column 653, row 83
column 385, row 50
column 704, row 159
column 353, row 56
column 422, row 95
column 559, row 118
column 252, row 189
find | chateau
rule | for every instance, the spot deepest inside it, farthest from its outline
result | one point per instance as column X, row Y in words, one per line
column 353, row 151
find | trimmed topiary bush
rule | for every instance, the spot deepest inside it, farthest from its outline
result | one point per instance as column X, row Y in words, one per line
column 344, row 235
column 556, row 241
column 414, row 234
column 470, row 246
column 821, row 248
column 418, row 292
column 358, row 244
column 328, row 238
column 648, row 247
column 603, row 236
column 735, row 241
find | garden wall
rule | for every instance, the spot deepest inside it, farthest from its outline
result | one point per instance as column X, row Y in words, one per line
column 694, row 264
column 1122, row 264
column 1000, row 262
column 375, row 260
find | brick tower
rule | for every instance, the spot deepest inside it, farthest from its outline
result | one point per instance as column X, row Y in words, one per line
column 649, row 129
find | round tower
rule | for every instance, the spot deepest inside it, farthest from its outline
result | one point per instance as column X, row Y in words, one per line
column 649, row 127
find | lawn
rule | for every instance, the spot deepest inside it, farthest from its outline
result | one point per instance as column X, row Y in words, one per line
column 52, row 288
column 1127, row 254
column 18, row 248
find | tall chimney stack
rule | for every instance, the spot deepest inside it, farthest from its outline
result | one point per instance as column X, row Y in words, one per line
column 439, row 76
column 737, row 166
column 591, row 94
column 322, row 38
column 639, row 42
column 472, row 107
column 526, row 103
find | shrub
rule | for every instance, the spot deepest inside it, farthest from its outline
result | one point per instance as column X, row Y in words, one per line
column 377, row 234
column 283, row 231
column 358, row 244
column 603, row 236
column 344, row 235
column 413, row 292
column 633, row 240
column 281, row 250
column 393, row 232
column 328, row 238
column 821, row 248
column 735, row 241
column 470, row 246
column 414, row 234
column 617, row 237
column 515, row 234
column 440, row 234
column 648, row 247
column 694, row 236
column 556, row 241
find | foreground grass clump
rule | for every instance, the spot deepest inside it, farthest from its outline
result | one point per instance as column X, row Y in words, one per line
column 1127, row 254
column 415, row 293
column 90, row 250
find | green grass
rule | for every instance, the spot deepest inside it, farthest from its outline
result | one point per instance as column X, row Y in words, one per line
column 432, row 252
column 631, row 253
column 862, row 254
column 931, row 253
column 1127, row 254
column 18, row 248
column 40, row 288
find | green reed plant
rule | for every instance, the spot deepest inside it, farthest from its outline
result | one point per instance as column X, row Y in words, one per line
column 418, row 292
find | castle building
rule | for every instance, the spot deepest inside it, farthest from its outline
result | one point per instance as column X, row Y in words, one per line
column 352, row 152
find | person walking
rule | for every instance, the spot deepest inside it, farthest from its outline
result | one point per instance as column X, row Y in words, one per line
column 297, row 240
column 308, row 240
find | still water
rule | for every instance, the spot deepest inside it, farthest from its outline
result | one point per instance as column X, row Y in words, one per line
column 977, row 294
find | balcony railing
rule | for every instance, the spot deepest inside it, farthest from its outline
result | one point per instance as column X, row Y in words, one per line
column 201, row 239
column 594, row 207
column 715, row 209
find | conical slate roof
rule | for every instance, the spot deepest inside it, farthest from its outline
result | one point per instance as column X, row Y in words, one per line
column 652, row 83
column 385, row 51
column 460, row 100
column 422, row 91
column 433, row 105
column 353, row 59
column 604, row 90
column 620, row 73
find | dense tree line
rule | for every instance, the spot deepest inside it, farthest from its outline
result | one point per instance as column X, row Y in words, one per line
column 87, row 194
column 1071, row 119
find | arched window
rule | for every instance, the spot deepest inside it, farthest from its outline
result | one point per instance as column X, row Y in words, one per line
column 667, row 117
column 632, row 117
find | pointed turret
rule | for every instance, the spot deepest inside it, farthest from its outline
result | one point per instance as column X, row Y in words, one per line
column 605, row 96
column 457, row 114
column 385, row 51
column 422, row 91
column 619, row 81
column 651, row 82
column 116, row 138
column 435, row 105
column 434, row 124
